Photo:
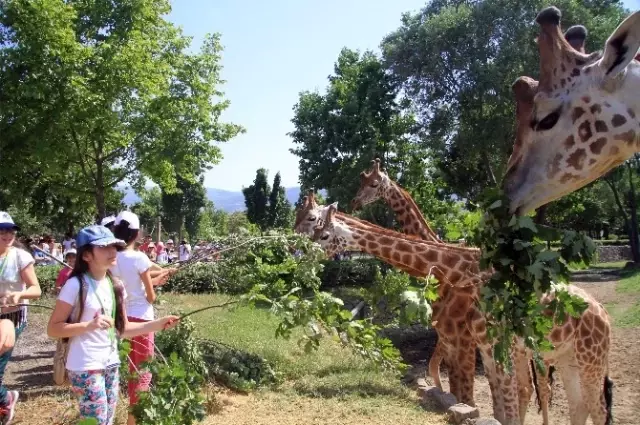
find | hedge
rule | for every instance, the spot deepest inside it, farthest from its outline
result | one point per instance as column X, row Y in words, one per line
column 47, row 277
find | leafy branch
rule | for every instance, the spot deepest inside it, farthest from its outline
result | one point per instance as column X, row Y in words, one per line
column 525, row 270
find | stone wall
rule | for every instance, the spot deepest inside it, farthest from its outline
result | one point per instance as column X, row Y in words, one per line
column 608, row 254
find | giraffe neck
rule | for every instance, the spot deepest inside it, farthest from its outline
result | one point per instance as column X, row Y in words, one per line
column 407, row 213
column 416, row 257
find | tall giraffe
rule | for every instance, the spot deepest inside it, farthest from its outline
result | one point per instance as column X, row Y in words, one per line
column 580, row 121
column 455, row 343
column 581, row 344
column 376, row 184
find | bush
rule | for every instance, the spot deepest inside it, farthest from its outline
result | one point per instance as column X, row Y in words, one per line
column 47, row 277
column 202, row 278
column 360, row 272
column 227, row 366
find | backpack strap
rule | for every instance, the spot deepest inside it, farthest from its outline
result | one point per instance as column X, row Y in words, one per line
column 78, row 308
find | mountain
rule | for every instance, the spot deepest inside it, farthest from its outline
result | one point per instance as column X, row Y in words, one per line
column 226, row 200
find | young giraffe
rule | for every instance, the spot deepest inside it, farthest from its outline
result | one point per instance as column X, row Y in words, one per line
column 581, row 344
column 376, row 184
column 454, row 340
column 583, row 117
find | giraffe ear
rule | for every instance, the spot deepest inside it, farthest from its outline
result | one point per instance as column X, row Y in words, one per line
column 622, row 46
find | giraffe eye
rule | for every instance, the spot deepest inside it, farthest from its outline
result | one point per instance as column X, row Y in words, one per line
column 311, row 218
column 375, row 184
column 325, row 237
column 549, row 121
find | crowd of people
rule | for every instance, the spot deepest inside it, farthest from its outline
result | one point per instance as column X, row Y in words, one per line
column 106, row 294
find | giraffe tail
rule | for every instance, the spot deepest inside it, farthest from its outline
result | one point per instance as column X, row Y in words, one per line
column 608, row 398
column 535, row 383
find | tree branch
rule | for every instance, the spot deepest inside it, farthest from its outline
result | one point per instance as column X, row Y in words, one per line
column 76, row 141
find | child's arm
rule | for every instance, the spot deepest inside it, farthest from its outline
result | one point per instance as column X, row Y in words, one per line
column 59, row 328
column 145, row 276
column 133, row 329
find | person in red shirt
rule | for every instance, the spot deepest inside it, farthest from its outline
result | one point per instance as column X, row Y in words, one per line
column 70, row 259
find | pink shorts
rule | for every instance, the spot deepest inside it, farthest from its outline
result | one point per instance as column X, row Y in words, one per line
column 142, row 348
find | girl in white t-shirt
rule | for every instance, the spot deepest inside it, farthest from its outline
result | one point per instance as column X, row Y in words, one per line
column 18, row 284
column 92, row 361
column 134, row 268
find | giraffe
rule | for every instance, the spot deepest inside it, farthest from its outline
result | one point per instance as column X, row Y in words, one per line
column 454, row 340
column 581, row 345
column 580, row 120
column 376, row 184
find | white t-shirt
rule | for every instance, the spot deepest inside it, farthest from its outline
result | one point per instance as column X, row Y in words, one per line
column 128, row 269
column 184, row 250
column 92, row 350
column 67, row 243
column 10, row 279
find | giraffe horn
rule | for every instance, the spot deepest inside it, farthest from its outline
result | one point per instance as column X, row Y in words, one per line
column 376, row 165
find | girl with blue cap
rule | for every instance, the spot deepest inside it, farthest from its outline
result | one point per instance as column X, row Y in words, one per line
column 94, row 301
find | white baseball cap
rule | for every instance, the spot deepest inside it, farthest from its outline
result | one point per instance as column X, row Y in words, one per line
column 170, row 241
column 6, row 222
column 129, row 217
column 107, row 220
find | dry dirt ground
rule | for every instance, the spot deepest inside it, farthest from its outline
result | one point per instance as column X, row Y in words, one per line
column 40, row 403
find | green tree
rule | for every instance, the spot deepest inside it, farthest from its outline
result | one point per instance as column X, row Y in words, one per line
column 256, row 199
column 358, row 118
column 456, row 61
column 239, row 223
column 280, row 212
column 213, row 222
column 96, row 93
column 184, row 205
column 149, row 208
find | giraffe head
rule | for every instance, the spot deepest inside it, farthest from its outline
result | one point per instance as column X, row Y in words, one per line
column 308, row 214
column 580, row 120
column 372, row 186
column 333, row 235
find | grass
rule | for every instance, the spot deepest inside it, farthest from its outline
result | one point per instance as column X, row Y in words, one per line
column 611, row 265
column 330, row 385
column 626, row 313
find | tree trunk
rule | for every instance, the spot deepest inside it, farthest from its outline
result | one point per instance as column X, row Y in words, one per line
column 623, row 213
column 540, row 217
column 100, row 203
column 634, row 238
column 99, row 188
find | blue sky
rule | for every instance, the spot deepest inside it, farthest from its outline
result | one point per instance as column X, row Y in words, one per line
column 274, row 50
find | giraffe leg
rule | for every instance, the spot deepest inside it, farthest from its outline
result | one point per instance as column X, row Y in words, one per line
column 467, row 373
column 578, row 411
column 434, row 365
column 509, row 389
column 523, row 378
column 544, row 390
column 595, row 387
column 496, row 392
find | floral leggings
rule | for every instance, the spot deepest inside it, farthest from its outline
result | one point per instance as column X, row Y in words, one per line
column 97, row 393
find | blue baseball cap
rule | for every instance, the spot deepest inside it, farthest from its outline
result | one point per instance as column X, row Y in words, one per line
column 6, row 222
column 97, row 235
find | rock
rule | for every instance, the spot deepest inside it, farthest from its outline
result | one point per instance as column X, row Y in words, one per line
column 487, row 421
column 460, row 412
column 422, row 383
column 445, row 400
